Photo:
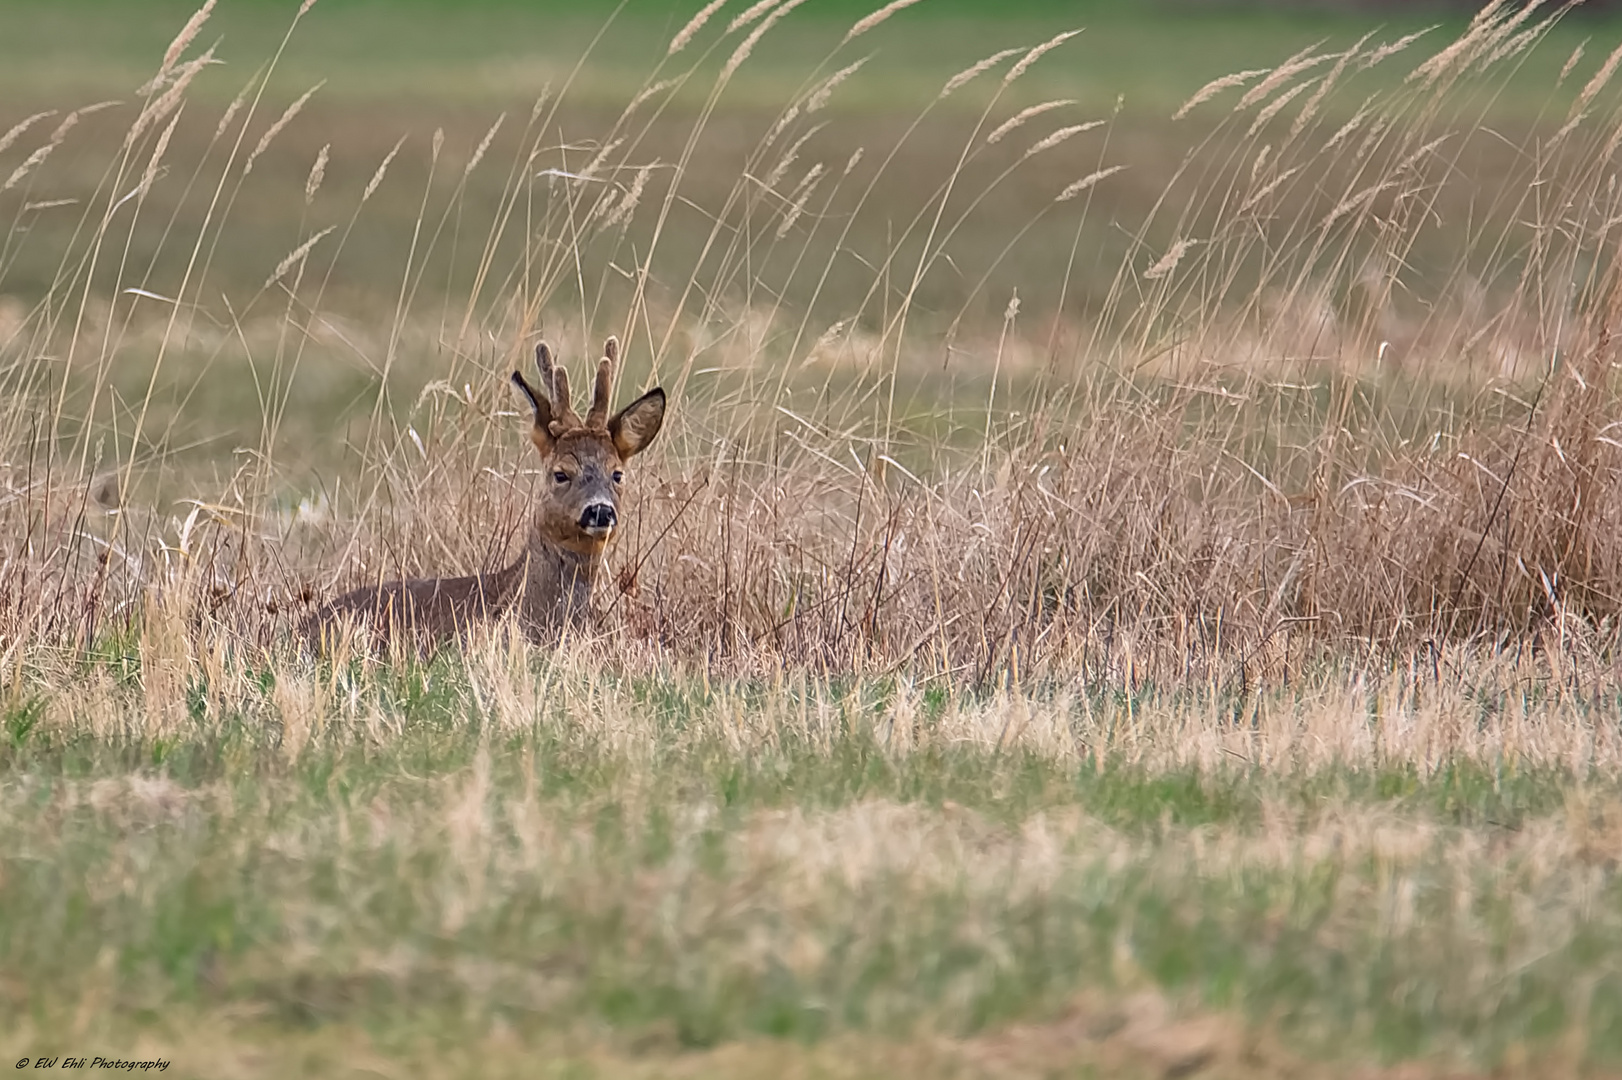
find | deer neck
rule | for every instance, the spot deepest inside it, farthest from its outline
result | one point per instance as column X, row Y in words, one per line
column 556, row 584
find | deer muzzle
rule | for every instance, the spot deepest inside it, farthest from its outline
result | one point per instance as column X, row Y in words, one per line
column 598, row 519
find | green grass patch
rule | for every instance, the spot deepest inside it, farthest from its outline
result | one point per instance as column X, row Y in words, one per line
column 446, row 872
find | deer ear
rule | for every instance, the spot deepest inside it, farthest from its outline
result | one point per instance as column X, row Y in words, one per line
column 634, row 426
column 540, row 434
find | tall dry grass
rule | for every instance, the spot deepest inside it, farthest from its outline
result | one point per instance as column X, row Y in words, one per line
column 1308, row 416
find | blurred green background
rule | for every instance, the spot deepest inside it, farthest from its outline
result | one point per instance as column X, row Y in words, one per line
column 411, row 256
column 388, row 70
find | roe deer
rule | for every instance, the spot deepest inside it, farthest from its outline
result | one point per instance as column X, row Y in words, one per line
column 583, row 465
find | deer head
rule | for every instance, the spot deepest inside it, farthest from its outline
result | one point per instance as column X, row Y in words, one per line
column 584, row 460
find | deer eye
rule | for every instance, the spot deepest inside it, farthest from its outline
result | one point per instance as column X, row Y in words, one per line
column 561, row 477
column 618, row 476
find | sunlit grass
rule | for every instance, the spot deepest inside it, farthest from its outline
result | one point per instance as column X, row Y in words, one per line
column 1153, row 618
column 546, row 847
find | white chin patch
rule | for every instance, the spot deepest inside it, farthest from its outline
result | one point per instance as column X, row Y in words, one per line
column 599, row 532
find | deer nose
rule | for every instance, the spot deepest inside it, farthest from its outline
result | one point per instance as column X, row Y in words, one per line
column 598, row 517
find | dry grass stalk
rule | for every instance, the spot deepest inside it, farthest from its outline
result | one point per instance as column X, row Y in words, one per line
column 626, row 207
column 1596, row 83
column 1348, row 129
column 30, row 163
column 158, row 110
column 178, row 46
column 1029, row 59
column 1457, row 55
column 1030, row 112
column 648, row 93
column 1277, row 105
column 790, row 156
column 38, row 157
column 872, row 20
column 798, row 198
column 749, row 14
column 1381, row 53
column 1305, row 60
column 598, row 161
column 1571, row 124
column 281, row 122
column 1325, row 85
column 1215, row 87
column 974, row 71
column 821, row 96
column 150, row 174
column 382, row 170
column 1086, row 182
column 1168, row 262
column 1063, row 134
column 484, row 146
column 231, row 111
column 1507, row 38
column 1514, row 46
column 1260, row 194
column 318, row 172
column 694, row 25
column 1358, row 201
column 297, row 256
column 18, row 129
column 748, row 44
column 1572, row 61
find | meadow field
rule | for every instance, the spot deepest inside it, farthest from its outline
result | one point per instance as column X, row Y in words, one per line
column 1129, row 584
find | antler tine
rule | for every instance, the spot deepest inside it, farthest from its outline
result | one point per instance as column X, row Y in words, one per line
column 597, row 417
column 555, row 384
column 543, row 361
column 564, row 418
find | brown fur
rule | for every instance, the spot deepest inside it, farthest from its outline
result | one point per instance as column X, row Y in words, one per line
column 550, row 584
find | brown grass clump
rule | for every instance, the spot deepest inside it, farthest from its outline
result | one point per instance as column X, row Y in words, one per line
column 1301, row 419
